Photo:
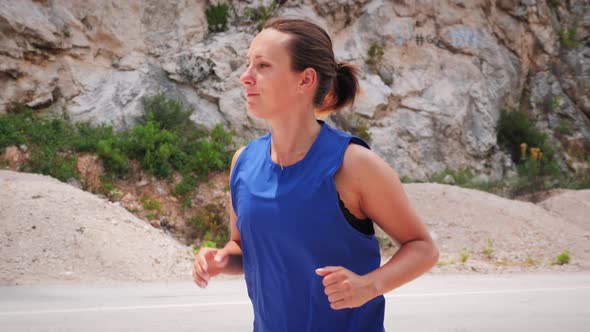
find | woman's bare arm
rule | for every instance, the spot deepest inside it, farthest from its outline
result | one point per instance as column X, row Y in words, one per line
column 382, row 198
column 233, row 246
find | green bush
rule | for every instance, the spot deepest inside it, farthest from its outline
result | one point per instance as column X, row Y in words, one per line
column 185, row 186
column 464, row 255
column 49, row 140
column 261, row 14
column 114, row 160
column 407, row 179
column 581, row 179
column 25, row 127
column 150, row 204
column 49, row 161
column 375, row 55
column 565, row 127
column 357, row 126
column 514, row 129
column 567, row 37
column 168, row 113
column 563, row 258
column 210, row 225
column 488, row 251
column 218, row 17
column 165, row 140
column 461, row 177
column 153, row 147
column 554, row 103
column 89, row 136
column 13, row 128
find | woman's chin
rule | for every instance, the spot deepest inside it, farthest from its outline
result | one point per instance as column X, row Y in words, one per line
column 255, row 111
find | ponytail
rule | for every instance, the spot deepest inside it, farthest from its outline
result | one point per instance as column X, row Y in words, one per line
column 345, row 86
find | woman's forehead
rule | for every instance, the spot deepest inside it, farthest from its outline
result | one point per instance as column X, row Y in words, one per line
column 270, row 44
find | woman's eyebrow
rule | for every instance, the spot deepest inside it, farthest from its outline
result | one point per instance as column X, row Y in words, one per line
column 257, row 56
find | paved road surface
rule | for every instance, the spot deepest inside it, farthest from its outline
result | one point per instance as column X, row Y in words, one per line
column 508, row 302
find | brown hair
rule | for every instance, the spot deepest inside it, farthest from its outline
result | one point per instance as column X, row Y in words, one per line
column 311, row 46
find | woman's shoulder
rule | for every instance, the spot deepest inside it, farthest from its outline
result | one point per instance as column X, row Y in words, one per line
column 254, row 144
column 365, row 165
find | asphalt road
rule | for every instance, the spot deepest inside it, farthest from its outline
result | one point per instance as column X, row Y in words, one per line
column 508, row 302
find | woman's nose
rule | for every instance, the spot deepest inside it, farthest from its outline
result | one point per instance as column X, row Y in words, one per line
column 246, row 77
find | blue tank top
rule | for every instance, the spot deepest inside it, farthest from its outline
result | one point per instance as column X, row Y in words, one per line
column 290, row 224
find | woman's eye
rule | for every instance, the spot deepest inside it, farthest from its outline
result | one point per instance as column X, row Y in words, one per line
column 259, row 65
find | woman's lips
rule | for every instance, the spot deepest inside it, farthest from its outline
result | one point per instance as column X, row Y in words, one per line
column 250, row 95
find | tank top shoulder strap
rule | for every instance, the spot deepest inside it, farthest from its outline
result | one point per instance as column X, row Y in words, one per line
column 335, row 146
column 254, row 150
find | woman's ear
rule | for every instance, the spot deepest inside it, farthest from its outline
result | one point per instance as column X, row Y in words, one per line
column 308, row 79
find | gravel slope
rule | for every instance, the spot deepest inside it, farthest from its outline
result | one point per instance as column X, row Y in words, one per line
column 54, row 232
column 51, row 232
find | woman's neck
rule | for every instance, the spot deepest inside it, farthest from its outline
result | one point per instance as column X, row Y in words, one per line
column 292, row 137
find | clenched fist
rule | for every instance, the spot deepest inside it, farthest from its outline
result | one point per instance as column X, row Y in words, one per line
column 209, row 262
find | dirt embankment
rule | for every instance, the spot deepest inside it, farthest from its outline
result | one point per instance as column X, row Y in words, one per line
column 52, row 232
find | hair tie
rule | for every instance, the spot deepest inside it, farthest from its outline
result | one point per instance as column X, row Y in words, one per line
column 338, row 66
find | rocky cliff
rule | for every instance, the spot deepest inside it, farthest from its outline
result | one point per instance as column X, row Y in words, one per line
column 435, row 73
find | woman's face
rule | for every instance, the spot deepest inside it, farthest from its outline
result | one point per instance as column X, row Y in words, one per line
column 271, row 86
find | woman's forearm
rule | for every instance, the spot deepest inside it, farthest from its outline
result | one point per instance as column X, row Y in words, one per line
column 409, row 262
column 234, row 265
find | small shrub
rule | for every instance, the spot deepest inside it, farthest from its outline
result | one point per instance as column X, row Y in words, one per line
column 567, row 37
column 167, row 112
column 444, row 263
column 514, row 128
column 565, row 127
column 151, row 204
column 89, row 136
column 464, row 255
column 563, row 258
column 461, row 176
column 107, row 183
column 47, row 160
column 516, row 133
column 13, row 128
column 186, row 202
column 210, row 224
column 581, row 179
column 210, row 154
column 488, row 251
column 114, row 160
column 209, row 244
column 406, row 179
column 218, row 17
column 357, row 126
column 554, row 103
column 375, row 55
column 530, row 261
column 153, row 146
column 261, row 14
column 186, row 185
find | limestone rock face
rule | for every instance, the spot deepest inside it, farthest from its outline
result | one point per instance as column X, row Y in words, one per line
column 431, row 91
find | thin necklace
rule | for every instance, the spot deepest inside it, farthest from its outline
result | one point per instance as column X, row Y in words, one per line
column 280, row 162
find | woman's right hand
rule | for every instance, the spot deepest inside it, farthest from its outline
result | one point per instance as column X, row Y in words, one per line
column 208, row 263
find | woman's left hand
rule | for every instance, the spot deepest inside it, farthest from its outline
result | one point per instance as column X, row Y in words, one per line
column 344, row 288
